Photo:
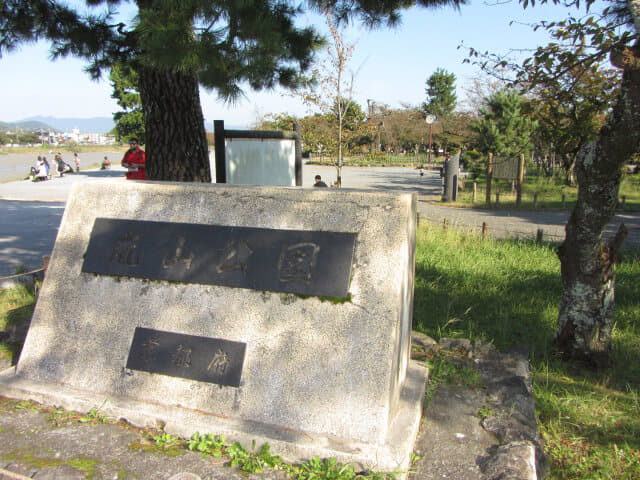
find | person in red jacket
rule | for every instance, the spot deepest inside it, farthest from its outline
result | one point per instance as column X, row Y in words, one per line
column 134, row 160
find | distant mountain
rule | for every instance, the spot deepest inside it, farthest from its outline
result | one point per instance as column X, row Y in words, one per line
column 85, row 125
column 25, row 125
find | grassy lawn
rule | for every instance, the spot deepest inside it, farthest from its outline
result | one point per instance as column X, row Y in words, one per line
column 508, row 292
column 549, row 193
column 378, row 160
column 16, row 307
column 45, row 149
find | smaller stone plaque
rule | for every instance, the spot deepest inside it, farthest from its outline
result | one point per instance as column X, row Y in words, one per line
column 204, row 359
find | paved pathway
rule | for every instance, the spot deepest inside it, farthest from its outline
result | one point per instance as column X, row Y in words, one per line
column 31, row 212
column 512, row 223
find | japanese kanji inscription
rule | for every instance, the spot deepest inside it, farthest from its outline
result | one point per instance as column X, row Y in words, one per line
column 294, row 261
column 205, row 359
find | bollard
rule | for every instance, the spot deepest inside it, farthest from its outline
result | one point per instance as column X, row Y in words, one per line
column 535, row 200
column 485, row 229
column 563, row 201
column 539, row 235
column 451, row 170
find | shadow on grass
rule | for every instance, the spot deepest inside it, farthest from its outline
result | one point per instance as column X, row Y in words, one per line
column 17, row 325
column 508, row 292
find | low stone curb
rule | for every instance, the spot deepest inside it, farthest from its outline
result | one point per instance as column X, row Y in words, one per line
column 515, row 447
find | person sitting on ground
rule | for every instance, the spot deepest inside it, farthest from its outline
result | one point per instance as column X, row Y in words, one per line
column 46, row 165
column 319, row 182
column 106, row 164
column 62, row 166
column 33, row 171
column 41, row 173
column 59, row 164
column 134, row 161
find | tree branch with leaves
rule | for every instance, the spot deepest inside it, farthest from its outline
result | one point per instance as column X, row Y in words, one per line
column 566, row 74
column 587, row 307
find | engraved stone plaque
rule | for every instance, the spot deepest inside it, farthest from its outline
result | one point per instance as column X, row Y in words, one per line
column 296, row 261
column 309, row 377
column 204, row 359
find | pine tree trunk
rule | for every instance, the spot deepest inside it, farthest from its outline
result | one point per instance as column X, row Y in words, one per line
column 176, row 140
column 587, row 307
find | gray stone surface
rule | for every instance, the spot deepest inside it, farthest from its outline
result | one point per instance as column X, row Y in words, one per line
column 457, row 441
column 319, row 377
column 451, row 436
column 41, row 450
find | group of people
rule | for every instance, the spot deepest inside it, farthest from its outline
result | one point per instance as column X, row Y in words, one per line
column 133, row 161
column 42, row 170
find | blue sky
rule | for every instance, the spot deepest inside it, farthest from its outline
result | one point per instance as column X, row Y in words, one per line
column 390, row 65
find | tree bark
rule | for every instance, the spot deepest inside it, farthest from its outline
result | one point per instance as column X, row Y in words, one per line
column 587, row 307
column 176, row 140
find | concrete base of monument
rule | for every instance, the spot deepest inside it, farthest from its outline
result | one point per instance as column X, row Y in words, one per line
column 392, row 456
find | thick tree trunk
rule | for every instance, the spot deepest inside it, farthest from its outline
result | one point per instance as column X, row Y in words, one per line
column 176, row 140
column 586, row 312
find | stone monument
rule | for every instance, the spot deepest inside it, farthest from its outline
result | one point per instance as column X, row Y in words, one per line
column 274, row 314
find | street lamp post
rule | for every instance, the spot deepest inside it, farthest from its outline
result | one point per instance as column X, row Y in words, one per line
column 430, row 119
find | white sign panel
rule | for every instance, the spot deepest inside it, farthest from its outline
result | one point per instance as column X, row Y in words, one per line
column 260, row 161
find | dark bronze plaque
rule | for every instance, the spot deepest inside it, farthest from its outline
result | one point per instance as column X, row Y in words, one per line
column 204, row 359
column 295, row 261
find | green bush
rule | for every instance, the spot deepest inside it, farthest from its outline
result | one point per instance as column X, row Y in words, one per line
column 473, row 161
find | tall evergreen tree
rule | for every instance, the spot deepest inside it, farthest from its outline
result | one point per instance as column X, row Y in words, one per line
column 504, row 128
column 441, row 99
column 130, row 120
column 441, row 93
column 176, row 46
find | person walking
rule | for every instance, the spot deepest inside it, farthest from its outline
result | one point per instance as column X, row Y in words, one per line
column 134, row 161
column 77, row 159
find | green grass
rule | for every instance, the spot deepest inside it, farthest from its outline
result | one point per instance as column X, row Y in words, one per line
column 549, row 191
column 507, row 292
column 46, row 148
column 16, row 307
column 378, row 160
